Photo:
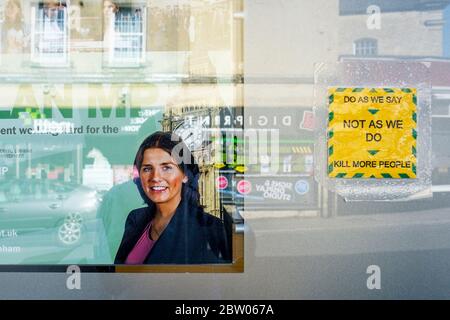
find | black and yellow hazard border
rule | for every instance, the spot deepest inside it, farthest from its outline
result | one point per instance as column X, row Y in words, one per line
column 409, row 141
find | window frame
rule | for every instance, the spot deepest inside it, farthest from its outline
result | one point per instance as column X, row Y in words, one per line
column 110, row 57
column 48, row 59
column 365, row 47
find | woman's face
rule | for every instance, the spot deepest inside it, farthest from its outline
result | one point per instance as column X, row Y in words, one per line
column 161, row 178
column 109, row 8
column 51, row 8
column 12, row 10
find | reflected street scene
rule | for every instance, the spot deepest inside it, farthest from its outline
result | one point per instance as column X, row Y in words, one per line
column 84, row 83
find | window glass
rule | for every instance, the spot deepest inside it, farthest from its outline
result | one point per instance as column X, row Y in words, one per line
column 366, row 47
column 50, row 33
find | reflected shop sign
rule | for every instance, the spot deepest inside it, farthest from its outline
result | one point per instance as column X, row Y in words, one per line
column 296, row 192
column 278, row 161
column 57, row 117
column 72, row 132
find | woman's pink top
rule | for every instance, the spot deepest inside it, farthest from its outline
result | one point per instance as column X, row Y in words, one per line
column 141, row 249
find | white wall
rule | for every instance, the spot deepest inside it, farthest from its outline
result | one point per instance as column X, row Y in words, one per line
column 284, row 37
column 401, row 33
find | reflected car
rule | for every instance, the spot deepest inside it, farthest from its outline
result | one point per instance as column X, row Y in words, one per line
column 62, row 209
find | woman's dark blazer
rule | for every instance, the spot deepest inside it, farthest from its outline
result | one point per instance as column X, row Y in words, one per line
column 191, row 237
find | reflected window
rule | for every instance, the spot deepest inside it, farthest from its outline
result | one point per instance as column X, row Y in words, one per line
column 365, row 47
column 124, row 34
column 50, row 33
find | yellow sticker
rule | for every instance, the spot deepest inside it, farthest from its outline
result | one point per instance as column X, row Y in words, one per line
column 372, row 133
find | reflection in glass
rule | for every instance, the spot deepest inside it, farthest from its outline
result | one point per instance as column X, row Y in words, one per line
column 50, row 33
column 124, row 33
column 14, row 35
